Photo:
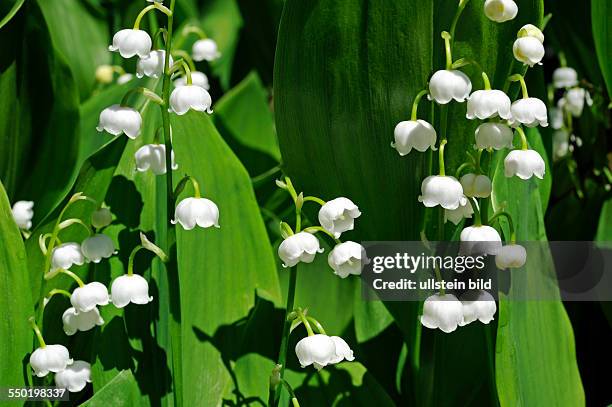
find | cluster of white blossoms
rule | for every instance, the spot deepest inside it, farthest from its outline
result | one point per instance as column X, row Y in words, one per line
column 446, row 312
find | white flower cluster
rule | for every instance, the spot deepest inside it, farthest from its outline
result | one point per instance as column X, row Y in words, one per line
column 446, row 312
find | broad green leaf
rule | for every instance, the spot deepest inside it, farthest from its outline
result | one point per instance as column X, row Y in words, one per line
column 121, row 391
column 604, row 229
column 16, row 302
column 601, row 10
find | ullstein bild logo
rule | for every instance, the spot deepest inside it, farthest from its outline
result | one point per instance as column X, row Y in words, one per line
column 413, row 271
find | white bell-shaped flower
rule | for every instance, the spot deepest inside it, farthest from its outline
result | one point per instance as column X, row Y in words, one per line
column 153, row 157
column 417, row 134
column 477, row 305
column 152, row 65
column 75, row 377
column 511, row 256
column 65, row 255
column 556, row 115
column 317, row 350
column 457, row 215
column 530, row 30
column 101, row 218
column 124, row 78
column 446, row 85
column 524, row 164
column 529, row 111
column 23, row 213
column 188, row 97
column 560, row 144
column 442, row 311
column 130, row 288
column 441, row 190
column 131, row 42
column 493, row 135
column 343, row 351
column 205, row 50
column 528, row 50
column 346, row 258
column 573, row 101
column 196, row 211
column 338, row 215
column 484, row 104
column 500, row 10
column 197, row 79
column 118, row 119
column 476, row 185
column 565, row 77
column 81, row 321
column 98, row 247
column 301, row 247
column 86, row 298
column 479, row 240
column 49, row 358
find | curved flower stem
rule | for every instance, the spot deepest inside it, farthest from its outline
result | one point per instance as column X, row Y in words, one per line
column 315, row 229
column 187, row 71
column 148, row 93
column 448, row 50
column 439, row 279
column 317, row 325
column 485, row 79
column 478, row 160
column 73, row 276
column 145, row 10
column 74, row 221
column 519, row 78
column 130, row 269
column 415, row 104
column 41, row 341
column 161, row 32
column 189, row 29
column 524, row 144
column 54, row 292
column 186, row 57
column 294, row 399
column 314, row 199
column 476, row 209
column 441, row 157
column 510, row 223
column 304, row 319
column 462, row 167
column 460, row 8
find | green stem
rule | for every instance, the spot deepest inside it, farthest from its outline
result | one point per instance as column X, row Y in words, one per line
column 439, row 279
column 41, row 341
column 460, row 8
column 304, row 320
column 562, row 59
column 510, row 223
column 196, row 187
column 462, row 167
column 447, row 47
column 415, row 104
column 314, row 229
column 487, row 83
column 186, row 57
column 148, row 93
column 441, row 157
column 145, row 10
column 57, row 291
column 475, row 208
column 317, row 325
column 521, row 132
column 74, row 221
column 73, row 276
column 130, row 270
column 519, row 78
column 314, row 199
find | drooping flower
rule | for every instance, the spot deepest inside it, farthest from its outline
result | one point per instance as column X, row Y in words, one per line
column 417, row 134
column 343, row 351
column 442, row 311
column 301, row 247
column 565, row 77
column 101, row 218
column 556, row 115
column 441, row 190
column 493, row 135
column 500, row 10
column 117, row 119
column 524, row 164
column 86, row 298
column 75, row 377
column 338, row 215
column 49, row 358
column 573, row 101
column 479, row 240
column 456, row 215
column 346, row 258
column 476, row 185
column 317, row 350
column 23, row 213
column 205, row 50
column 81, row 321
column 197, row 79
column 65, row 255
column 188, row 97
column 528, row 50
column 485, row 104
column 98, row 247
column 446, row 85
column 529, row 111
column 196, row 211
column 152, row 65
column 560, row 144
column 477, row 305
column 511, row 256
column 130, row 42
column 130, row 288
column 153, row 157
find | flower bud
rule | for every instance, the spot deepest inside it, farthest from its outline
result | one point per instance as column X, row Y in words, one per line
column 485, row 104
column 528, row 50
column 197, row 79
column 338, row 215
column 205, row 50
column 493, row 135
column 98, row 247
column 445, row 191
column 23, row 214
column 50, row 358
column 196, row 211
column 86, row 298
column 442, row 311
column 317, row 350
column 500, row 10
column 118, row 119
column 130, row 288
column 131, row 42
column 417, row 134
column 530, row 111
column 565, row 77
column 457, row 215
column 104, row 74
column 477, row 305
column 80, row 321
column 346, row 258
column 524, row 164
column 301, row 247
column 476, row 185
column 65, row 255
column 530, row 30
column 101, row 218
column 153, row 157
column 188, row 97
column 479, row 240
column 75, row 377
column 152, row 65
column 446, row 85
column 511, row 256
